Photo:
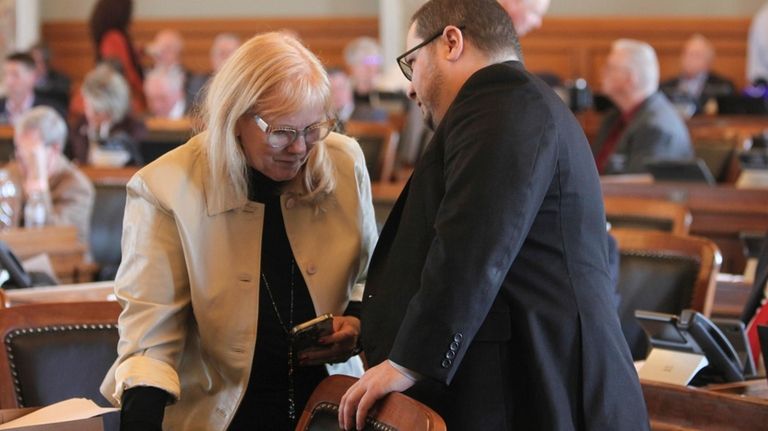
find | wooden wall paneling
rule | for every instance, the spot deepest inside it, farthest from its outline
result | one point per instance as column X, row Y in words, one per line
column 570, row 47
column 73, row 53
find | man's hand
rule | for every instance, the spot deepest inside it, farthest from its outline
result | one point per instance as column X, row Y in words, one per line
column 340, row 344
column 360, row 397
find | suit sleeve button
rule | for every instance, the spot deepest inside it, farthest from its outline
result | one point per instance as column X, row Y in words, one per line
column 454, row 346
column 447, row 363
column 450, row 355
column 457, row 337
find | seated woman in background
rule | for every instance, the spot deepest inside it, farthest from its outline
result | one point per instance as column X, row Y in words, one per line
column 260, row 223
column 107, row 134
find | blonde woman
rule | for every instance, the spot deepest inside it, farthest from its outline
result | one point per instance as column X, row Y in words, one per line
column 261, row 222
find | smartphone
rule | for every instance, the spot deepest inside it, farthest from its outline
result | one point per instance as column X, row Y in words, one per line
column 307, row 335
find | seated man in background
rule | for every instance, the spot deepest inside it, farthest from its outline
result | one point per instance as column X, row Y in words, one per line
column 644, row 125
column 19, row 83
column 697, row 84
column 224, row 44
column 41, row 169
column 50, row 83
column 344, row 102
column 164, row 91
column 166, row 51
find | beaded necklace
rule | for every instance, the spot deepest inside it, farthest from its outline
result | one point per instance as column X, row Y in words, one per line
column 287, row 330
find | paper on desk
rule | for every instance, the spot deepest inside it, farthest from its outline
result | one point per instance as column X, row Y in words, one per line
column 68, row 410
column 40, row 263
column 669, row 366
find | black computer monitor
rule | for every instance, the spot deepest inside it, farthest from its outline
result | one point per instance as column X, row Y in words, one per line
column 741, row 105
column 692, row 171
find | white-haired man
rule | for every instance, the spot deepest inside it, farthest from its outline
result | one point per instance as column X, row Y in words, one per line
column 41, row 168
column 644, row 125
column 164, row 91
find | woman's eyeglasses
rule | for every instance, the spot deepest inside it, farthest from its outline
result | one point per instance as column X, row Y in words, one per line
column 280, row 137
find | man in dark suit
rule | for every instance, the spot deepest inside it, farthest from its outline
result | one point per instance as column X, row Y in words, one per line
column 50, row 83
column 488, row 296
column 697, row 84
column 19, row 83
column 644, row 125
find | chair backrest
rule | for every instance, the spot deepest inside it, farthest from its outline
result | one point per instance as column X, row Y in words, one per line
column 107, row 228
column 379, row 144
column 647, row 214
column 52, row 352
column 395, row 412
column 719, row 156
column 665, row 273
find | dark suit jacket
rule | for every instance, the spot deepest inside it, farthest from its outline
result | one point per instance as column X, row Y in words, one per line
column 758, row 289
column 56, row 86
column 37, row 101
column 655, row 132
column 714, row 86
column 490, row 277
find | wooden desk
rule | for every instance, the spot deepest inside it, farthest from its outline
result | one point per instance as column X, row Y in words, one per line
column 98, row 291
column 719, row 213
column 66, row 252
column 737, row 126
column 6, row 143
column 739, row 406
column 109, row 176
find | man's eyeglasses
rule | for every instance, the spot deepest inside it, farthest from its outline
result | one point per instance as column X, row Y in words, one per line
column 405, row 64
column 282, row 136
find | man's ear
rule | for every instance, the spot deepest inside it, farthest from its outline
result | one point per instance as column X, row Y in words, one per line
column 454, row 42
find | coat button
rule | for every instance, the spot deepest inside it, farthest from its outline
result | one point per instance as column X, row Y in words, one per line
column 290, row 202
column 446, row 363
column 454, row 346
column 457, row 337
column 311, row 269
column 450, row 354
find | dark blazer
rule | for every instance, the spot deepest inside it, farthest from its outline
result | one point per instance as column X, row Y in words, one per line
column 55, row 86
column 714, row 86
column 38, row 100
column 758, row 288
column 491, row 278
column 655, row 132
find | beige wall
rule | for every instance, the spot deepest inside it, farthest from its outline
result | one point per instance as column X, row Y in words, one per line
column 52, row 10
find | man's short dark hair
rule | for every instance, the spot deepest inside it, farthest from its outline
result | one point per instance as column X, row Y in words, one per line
column 486, row 24
column 23, row 58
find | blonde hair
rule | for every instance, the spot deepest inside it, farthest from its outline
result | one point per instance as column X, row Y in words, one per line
column 274, row 74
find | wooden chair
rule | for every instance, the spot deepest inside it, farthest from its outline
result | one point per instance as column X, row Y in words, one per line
column 379, row 143
column 394, row 412
column 665, row 273
column 52, row 352
column 647, row 214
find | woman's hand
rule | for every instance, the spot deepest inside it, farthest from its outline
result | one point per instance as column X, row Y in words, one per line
column 340, row 345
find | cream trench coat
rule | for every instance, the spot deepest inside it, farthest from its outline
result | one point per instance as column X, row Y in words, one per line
column 189, row 279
